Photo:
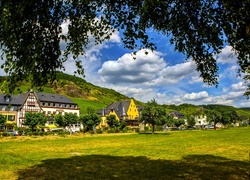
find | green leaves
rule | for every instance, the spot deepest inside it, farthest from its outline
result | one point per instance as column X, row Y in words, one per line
column 112, row 122
column 153, row 114
column 66, row 119
column 2, row 120
column 31, row 32
column 34, row 119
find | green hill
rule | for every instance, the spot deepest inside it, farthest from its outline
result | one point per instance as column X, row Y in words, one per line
column 80, row 91
column 87, row 95
column 188, row 109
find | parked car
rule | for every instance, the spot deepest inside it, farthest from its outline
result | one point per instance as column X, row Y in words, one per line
column 175, row 128
column 12, row 132
column 209, row 127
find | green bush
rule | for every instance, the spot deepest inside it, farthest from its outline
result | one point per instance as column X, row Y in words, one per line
column 137, row 130
column 99, row 131
column 4, row 134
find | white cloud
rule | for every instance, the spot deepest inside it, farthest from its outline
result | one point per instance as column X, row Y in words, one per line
column 241, row 86
column 176, row 73
column 195, row 96
column 144, row 68
column 227, row 56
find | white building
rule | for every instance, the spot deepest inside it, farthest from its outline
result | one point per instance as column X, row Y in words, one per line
column 14, row 107
column 201, row 120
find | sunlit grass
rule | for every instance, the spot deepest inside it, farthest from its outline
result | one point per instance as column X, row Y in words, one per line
column 221, row 154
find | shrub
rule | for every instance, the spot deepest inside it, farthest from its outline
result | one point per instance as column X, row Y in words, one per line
column 99, row 131
column 4, row 134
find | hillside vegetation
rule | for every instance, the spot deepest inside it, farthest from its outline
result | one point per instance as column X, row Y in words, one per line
column 80, row 91
column 87, row 95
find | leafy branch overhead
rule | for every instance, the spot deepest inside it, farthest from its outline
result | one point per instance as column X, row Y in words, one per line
column 31, row 32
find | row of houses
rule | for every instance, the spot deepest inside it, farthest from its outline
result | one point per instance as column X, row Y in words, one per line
column 14, row 108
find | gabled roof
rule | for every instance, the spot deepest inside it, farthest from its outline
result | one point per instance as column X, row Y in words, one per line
column 104, row 112
column 177, row 114
column 120, row 108
column 18, row 100
column 45, row 97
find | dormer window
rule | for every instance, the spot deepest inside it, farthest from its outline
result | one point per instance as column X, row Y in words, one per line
column 4, row 108
column 7, row 98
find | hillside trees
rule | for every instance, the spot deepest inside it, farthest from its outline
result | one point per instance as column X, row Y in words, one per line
column 31, row 32
column 153, row 114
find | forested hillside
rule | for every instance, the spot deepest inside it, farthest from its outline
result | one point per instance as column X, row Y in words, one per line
column 89, row 95
column 189, row 109
column 78, row 90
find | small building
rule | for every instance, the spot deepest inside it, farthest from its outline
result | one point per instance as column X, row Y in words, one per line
column 176, row 115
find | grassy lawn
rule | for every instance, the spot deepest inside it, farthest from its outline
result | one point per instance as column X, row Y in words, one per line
column 208, row 154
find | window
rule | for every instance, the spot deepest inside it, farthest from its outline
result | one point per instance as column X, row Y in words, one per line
column 31, row 103
column 11, row 117
column 3, row 108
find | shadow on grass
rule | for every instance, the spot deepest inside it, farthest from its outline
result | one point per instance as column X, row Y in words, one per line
column 128, row 167
column 155, row 133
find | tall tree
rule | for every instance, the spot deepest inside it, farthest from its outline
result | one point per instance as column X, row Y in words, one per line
column 31, row 32
column 2, row 120
column 112, row 122
column 153, row 114
column 90, row 120
column 70, row 118
column 191, row 120
column 33, row 119
column 214, row 116
column 58, row 118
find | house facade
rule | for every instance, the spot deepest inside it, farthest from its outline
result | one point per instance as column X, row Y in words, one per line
column 14, row 107
column 123, row 110
column 201, row 121
column 104, row 113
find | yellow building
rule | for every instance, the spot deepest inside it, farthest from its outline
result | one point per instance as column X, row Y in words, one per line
column 124, row 111
column 104, row 113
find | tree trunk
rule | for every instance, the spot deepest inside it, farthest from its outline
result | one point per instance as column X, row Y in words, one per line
column 153, row 129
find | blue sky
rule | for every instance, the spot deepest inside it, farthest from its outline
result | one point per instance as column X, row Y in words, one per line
column 163, row 75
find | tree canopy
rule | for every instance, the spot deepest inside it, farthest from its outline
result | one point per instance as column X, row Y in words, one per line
column 33, row 119
column 153, row 114
column 2, row 120
column 90, row 120
column 31, row 32
column 66, row 120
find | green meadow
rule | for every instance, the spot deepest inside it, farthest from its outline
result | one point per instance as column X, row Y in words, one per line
column 199, row 154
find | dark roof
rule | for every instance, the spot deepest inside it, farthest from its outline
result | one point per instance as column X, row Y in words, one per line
column 13, row 99
column 44, row 97
column 120, row 108
column 104, row 112
column 177, row 114
column 18, row 100
column 140, row 108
